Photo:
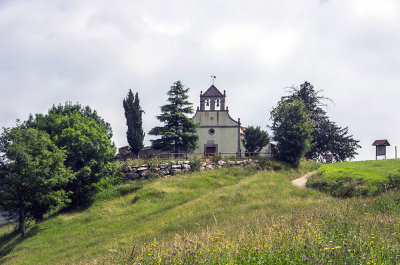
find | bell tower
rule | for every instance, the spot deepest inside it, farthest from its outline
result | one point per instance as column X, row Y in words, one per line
column 212, row 100
column 218, row 132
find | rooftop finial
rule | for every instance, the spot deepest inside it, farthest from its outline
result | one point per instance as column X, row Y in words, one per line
column 213, row 78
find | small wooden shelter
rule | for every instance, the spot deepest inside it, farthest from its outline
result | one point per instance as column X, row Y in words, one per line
column 381, row 147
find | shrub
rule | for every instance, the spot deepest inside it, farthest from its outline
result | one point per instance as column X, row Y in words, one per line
column 195, row 165
column 394, row 181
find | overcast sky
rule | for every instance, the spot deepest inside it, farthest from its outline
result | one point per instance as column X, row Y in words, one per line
column 93, row 52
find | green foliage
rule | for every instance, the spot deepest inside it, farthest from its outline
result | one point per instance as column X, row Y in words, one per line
column 216, row 158
column 133, row 115
column 255, row 139
column 195, row 165
column 179, row 132
column 32, row 174
column 327, row 136
column 86, row 138
column 360, row 178
column 292, row 130
column 343, row 187
column 110, row 176
column 272, row 164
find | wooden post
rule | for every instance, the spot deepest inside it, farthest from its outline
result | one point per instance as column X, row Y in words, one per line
column 395, row 152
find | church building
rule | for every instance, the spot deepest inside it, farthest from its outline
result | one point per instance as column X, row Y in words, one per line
column 218, row 132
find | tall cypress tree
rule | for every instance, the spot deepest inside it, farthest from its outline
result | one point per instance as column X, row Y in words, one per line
column 179, row 131
column 133, row 115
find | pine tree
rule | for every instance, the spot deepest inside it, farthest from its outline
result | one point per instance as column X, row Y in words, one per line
column 179, row 132
column 133, row 115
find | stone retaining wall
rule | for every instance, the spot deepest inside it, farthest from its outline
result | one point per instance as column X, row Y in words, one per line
column 174, row 167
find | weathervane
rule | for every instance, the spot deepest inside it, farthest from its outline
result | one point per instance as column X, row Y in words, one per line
column 213, row 78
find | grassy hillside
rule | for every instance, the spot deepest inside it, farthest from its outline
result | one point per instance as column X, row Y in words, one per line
column 366, row 178
column 226, row 216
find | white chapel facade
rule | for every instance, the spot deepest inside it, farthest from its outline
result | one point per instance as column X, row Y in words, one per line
column 218, row 132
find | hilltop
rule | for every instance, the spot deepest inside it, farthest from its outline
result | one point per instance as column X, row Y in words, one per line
column 230, row 215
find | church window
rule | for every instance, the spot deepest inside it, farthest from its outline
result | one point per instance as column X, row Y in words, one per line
column 211, row 131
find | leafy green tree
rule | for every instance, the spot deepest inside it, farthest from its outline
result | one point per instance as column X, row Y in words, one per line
column 292, row 130
column 133, row 115
column 179, row 132
column 32, row 174
column 327, row 136
column 255, row 139
column 86, row 138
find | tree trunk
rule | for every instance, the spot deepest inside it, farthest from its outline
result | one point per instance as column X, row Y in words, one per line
column 176, row 149
column 22, row 222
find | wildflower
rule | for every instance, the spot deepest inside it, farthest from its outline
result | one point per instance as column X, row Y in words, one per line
column 257, row 249
column 305, row 246
column 306, row 259
column 197, row 261
column 206, row 260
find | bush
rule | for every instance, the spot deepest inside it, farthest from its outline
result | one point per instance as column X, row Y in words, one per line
column 216, row 158
column 195, row 165
column 394, row 181
column 271, row 164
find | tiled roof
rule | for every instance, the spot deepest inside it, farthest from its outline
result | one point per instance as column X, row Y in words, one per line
column 381, row 142
column 212, row 92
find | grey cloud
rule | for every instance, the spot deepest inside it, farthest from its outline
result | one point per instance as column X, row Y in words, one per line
column 95, row 51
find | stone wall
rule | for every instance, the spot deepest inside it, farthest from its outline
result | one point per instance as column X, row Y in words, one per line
column 174, row 167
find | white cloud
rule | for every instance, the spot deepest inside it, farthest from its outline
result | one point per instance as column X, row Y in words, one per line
column 270, row 46
column 373, row 9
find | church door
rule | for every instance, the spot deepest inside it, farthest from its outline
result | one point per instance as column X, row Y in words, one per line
column 210, row 150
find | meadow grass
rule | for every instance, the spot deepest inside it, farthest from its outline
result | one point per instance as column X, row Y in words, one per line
column 359, row 178
column 226, row 216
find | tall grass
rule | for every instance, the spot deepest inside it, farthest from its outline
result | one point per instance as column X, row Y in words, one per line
column 226, row 216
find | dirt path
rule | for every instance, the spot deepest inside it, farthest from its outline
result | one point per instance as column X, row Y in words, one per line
column 301, row 182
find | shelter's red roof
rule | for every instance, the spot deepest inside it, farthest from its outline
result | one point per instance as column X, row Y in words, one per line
column 381, row 142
